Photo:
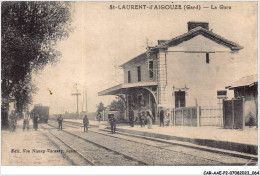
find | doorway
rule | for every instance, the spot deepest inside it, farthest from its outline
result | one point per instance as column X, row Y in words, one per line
column 180, row 99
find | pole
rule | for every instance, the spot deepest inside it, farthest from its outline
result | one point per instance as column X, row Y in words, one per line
column 182, row 118
column 233, row 114
column 198, row 115
column 86, row 101
column 83, row 95
column 77, row 102
column 243, row 120
column 174, row 117
column 77, row 94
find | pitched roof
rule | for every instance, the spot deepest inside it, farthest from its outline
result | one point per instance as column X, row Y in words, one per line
column 187, row 36
column 143, row 55
column 200, row 31
column 244, row 81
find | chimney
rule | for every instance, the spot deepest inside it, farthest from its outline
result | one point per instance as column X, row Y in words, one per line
column 193, row 25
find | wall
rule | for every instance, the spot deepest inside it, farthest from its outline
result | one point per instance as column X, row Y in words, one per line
column 192, row 71
column 132, row 66
column 186, row 66
column 251, row 100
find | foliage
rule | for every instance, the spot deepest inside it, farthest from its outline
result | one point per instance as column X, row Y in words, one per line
column 251, row 119
column 117, row 105
column 100, row 107
column 29, row 33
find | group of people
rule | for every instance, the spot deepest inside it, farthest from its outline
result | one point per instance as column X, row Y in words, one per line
column 85, row 122
column 26, row 120
column 13, row 117
column 147, row 118
column 111, row 120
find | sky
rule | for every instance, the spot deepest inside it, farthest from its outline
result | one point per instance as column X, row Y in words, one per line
column 104, row 38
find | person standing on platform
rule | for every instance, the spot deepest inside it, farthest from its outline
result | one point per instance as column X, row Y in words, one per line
column 131, row 117
column 99, row 117
column 26, row 120
column 85, row 123
column 167, row 118
column 142, row 119
column 149, row 120
column 112, row 121
column 60, row 119
column 162, row 118
column 35, row 121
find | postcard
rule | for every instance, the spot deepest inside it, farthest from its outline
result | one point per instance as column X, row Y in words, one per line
column 130, row 83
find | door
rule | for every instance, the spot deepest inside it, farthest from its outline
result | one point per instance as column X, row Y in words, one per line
column 180, row 99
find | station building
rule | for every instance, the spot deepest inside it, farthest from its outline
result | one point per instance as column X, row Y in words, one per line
column 185, row 71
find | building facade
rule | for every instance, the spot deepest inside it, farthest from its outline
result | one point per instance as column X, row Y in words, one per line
column 181, row 72
column 247, row 88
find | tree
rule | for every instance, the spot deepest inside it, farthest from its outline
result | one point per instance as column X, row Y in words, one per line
column 100, row 107
column 29, row 33
column 117, row 105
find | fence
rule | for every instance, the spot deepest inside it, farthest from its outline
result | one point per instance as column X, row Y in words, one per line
column 197, row 116
column 211, row 115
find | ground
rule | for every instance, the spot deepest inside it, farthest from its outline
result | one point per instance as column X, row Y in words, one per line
column 34, row 140
column 129, row 146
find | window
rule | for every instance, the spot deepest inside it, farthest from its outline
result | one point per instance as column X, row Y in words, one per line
column 180, row 99
column 207, row 58
column 139, row 73
column 150, row 69
column 129, row 76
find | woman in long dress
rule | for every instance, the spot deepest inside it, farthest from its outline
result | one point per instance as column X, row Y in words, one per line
column 149, row 120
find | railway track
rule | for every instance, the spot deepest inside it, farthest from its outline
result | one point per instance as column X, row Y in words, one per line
column 87, row 160
column 145, row 141
column 94, row 153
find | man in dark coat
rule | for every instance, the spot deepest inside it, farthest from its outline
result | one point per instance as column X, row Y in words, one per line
column 162, row 118
column 131, row 117
column 112, row 122
column 85, row 123
column 99, row 117
column 35, row 121
column 142, row 118
column 60, row 119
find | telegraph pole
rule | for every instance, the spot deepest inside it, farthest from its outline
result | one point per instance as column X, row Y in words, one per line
column 77, row 94
column 86, row 101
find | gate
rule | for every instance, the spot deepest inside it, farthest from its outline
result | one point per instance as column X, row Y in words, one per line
column 186, row 116
column 233, row 113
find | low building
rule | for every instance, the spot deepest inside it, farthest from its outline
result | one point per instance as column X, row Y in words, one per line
column 181, row 72
column 247, row 88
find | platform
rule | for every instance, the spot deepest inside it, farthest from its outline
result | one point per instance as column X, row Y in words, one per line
column 245, row 141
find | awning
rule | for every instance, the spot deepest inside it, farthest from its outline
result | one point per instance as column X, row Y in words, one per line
column 122, row 88
column 244, row 81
